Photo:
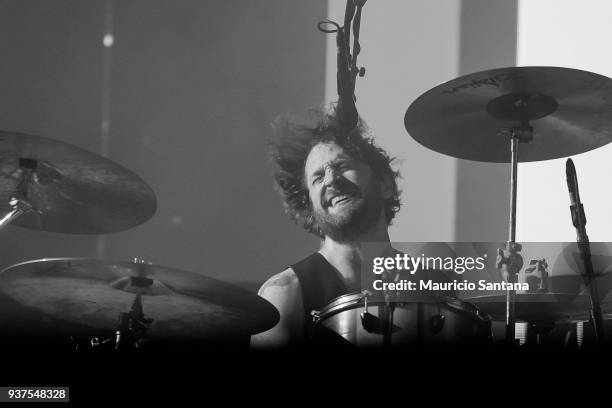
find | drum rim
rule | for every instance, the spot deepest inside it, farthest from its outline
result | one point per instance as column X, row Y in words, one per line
column 343, row 302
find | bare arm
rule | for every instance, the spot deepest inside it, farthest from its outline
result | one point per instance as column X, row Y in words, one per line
column 284, row 292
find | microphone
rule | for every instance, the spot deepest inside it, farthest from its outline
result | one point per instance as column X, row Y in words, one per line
column 579, row 221
column 576, row 207
column 572, row 182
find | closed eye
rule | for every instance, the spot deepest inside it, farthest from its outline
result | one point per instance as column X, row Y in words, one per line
column 344, row 165
column 317, row 178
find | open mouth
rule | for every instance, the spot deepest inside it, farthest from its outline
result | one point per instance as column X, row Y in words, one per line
column 339, row 199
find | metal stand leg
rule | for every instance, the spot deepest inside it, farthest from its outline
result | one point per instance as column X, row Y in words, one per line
column 19, row 206
column 512, row 272
column 510, row 256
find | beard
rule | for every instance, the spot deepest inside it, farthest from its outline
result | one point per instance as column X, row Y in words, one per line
column 354, row 218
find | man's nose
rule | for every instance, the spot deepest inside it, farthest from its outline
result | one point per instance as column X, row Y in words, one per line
column 331, row 177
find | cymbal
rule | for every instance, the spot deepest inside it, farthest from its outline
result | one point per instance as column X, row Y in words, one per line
column 536, row 307
column 569, row 110
column 92, row 293
column 74, row 190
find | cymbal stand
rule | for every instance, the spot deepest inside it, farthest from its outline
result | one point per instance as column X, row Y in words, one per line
column 19, row 206
column 132, row 326
column 510, row 255
column 518, row 107
column 18, row 201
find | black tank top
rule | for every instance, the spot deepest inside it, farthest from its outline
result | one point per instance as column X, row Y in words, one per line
column 320, row 283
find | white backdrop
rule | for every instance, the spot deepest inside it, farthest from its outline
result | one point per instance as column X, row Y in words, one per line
column 407, row 48
column 573, row 34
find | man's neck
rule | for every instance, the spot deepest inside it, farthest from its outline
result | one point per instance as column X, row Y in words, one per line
column 348, row 257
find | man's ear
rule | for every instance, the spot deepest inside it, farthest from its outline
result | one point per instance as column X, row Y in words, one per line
column 386, row 187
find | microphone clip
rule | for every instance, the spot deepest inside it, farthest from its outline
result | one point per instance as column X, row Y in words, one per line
column 578, row 215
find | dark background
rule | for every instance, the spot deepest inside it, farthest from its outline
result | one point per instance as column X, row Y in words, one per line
column 194, row 86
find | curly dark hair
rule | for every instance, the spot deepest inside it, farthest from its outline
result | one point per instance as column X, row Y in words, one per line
column 290, row 144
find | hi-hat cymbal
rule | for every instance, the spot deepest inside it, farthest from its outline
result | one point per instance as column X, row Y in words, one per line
column 536, row 307
column 569, row 110
column 182, row 305
column 71, row 189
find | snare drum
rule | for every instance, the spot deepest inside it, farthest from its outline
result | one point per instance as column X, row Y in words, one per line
column 356, row 320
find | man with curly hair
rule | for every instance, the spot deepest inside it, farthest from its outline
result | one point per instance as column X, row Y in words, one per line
column 341, row 187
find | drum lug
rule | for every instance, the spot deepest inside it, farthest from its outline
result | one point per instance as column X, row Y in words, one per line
column 366, row 294
column 371, row 323
column 316, row 316
column 437, row 323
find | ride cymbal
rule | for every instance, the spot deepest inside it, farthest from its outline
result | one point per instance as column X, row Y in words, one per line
column 569, row 110
column 93, row 293
column 70, row 189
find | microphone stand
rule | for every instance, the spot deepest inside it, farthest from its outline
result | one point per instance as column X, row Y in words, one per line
column 347, row 115
column 582, row 239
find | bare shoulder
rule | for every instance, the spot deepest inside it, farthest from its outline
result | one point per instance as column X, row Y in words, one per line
column 284, row 292
column 283, row 282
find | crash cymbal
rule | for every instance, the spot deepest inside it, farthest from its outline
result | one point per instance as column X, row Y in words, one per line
column 92, row 293
column 71, row 189
column 536, row 307
column 569, row 110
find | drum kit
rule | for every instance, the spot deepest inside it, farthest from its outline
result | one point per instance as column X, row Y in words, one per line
column 520, row 114
column 52, row 186
column 505, row 115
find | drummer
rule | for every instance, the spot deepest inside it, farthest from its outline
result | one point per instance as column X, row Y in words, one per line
column 343, row 190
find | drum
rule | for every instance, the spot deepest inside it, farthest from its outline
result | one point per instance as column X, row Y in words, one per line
column 356, row 320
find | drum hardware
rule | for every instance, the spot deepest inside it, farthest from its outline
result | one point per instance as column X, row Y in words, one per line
column 559, row 112
column 18, row 202
column 370, row 323
column 510, row 255
column 130, row 332
column 315, row 316
column 18, row 206
column 534, row 332
column 132, row 325
column 575, row 338
column 537, row 307
column 95, row 342
column 384, row 325
column 579, row 334
column 437, row 322
column 516, row 107
column 513, row 261
column 537, row 276
column 378, row 325
column 387, row 311
column 538, row 312
column 430, row 320
column 520, row 333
